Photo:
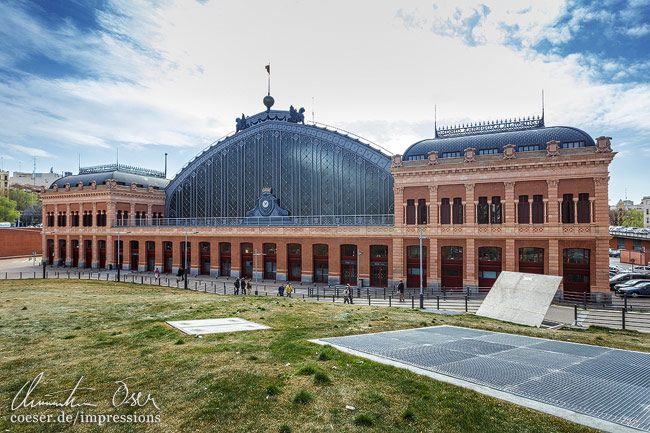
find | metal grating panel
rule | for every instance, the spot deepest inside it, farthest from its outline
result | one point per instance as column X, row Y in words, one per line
column 609, row 384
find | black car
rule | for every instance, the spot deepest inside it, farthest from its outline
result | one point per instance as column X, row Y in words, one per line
column 626, row 276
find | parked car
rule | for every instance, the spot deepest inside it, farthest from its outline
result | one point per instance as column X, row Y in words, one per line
column 642, row 289
column 641, row 268
column 626, row 276
column 629, row 283
column 614, row 253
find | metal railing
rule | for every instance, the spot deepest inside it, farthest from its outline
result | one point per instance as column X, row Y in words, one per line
column 270, row 221
column 623, row 313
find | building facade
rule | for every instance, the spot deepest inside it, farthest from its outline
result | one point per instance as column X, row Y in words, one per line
column 4, row 184
column 283, row 200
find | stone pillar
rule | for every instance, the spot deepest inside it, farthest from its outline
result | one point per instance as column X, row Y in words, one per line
column 509, row 217
column 307, row 269
column 470, row 279
column 334, row 262
column 553, row 257
column 94, row 218
column 417, row 212
column 215, row 264
column 111, row 214
column 81, row 263
column 545, row 219
column 159, row 253
column 68, row 217
column 132, row 215
column 592, row 209
column 282, row 262
column 469, row 204
column 600, row 281
column 110, row 259
column 57, row 257
column 150, row 221
column 433, row 279
column 399, row 205
column 553, row 215
column 95, row 253
column 398, row 262
column 601, row 207
column 195, row 255
column 235, row 258
column 575, row 212
column 433, row 205
column 511, row 255
column 68, row 251
column 56, row 218
column 258, row 259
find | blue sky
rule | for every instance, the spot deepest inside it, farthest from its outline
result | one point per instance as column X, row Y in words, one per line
column 85, row 78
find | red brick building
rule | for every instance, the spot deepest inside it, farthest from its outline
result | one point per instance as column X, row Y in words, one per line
column 280, row 199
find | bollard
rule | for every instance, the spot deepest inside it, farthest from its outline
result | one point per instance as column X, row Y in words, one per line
column 575, row 314
column 437, row 302
column 34, row 275
column 623, row 318
column 384, row 293
column 195, row 285
column 44, row 265
column 333, row 297
column 368, row 299
column 412, row 302
column 466, row 298
column 390, row 298
column 79, row 275
column 21, row 275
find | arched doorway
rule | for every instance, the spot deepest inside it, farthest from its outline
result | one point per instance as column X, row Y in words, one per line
column 135, row 255
column 531, row 260
column 151, row 256
column 88, row 253
column 451, row 261
column 102, row 254
column 168, row 258
column 204, row 258
column 62, row 251
column 270, row 261
column 224, row 253
column 349, row 264
column 489, row 267
column 247, row 260
column 321, row 263
column 413, row 266
column 379, row 265
column 75, row 253
column 576, row 275
column 50, row 252
column 294, row 253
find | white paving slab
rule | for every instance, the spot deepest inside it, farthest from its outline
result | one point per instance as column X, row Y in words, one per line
column 216, row 326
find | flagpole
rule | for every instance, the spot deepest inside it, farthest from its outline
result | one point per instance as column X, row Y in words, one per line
column 268, row 69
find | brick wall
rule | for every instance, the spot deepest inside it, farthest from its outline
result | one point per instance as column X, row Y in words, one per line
column 19, row 242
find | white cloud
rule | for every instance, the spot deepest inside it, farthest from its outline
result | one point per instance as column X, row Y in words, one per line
column 30, row 151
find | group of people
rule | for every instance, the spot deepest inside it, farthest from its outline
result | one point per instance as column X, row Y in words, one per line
column 285, row 288
column 244, row 285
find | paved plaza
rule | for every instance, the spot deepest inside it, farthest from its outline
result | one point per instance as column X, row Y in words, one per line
column 604, row 388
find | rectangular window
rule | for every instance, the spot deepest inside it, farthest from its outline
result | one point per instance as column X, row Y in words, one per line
column 482, row 211
column 636, row 244
column 422, row 211
column 584, row 214
column 451, row 154
column 568, row 213
column 445, row 211
column 495, row 210
column 457, row 211
column 488, row 151
column 528, row 148
column 523, row 210
column 410, row 211
column 538, row 209
column 572, row 145
column 620, row 243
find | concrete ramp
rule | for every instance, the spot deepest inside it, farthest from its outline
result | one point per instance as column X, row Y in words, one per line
column 520, row 298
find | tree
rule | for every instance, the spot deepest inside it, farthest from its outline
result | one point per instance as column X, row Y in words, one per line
column 23, row 199
column 8, row 212
column 633, row 218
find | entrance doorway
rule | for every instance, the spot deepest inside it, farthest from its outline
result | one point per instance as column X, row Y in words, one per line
column 88, row 253
column 102, row 254
column 413, row 266
column 224, row 253
column 379, row 265
column 531, row 260
column 62, row 251
column 489, row 267
column 349, row 264
column 451, row 261
column 270, row 261
column 321, row 263
column 50, row 252
column 167, row 257
column 135, row 255
column 151, row 256
column 576, row 270
column 247, row 260
column 75, row 253
column 204, row 258
column 294, row 253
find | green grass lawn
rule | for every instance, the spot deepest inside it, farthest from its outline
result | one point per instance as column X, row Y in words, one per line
column 259, row 381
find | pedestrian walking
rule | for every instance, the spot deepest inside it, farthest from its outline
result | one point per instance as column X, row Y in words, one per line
column 236, row 292
column 249, row 287
column 289, row 289
column 346, row 294
column 243, row 286
column 400, row 290
column 156, row 273
column 281, row 290
column 180, row 274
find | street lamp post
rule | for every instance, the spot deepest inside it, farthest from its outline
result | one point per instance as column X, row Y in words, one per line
column 185, row 265
column 255, row 254
column 359, row 253
column 119, row 253
column 421, row 269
